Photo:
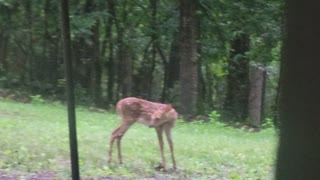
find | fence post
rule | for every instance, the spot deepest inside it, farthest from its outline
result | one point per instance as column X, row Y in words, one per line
column 70, row 90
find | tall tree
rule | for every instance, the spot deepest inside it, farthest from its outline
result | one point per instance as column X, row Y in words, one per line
column 188, row 57
column 5, row 18
column 110, row 65
column 236, row 102
column 124, row 51
column 29, row 50
column 173, row 67
column 148, row 64
column 87, row 51
column 298, row 153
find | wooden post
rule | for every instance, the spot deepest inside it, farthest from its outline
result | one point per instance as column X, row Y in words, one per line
column 256, row 95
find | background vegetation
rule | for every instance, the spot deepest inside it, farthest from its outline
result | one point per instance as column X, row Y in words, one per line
column 146, row 49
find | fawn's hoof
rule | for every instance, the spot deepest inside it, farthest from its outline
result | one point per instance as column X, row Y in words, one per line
column 160, row 168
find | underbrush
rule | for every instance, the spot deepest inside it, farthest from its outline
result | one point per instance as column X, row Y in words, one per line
column 34, row 137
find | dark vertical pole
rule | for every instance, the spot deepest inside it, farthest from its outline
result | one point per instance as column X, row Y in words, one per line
column 69, row 90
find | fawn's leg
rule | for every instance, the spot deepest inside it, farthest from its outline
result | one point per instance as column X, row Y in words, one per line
column 117, row 134
column 112, row 138
column 168, row 134
column 159, row 133
column 119, row 148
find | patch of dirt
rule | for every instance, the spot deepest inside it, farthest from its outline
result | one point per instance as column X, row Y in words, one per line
column 51, row 175
column 6, row 114
column 15, row 95
column 39, row 175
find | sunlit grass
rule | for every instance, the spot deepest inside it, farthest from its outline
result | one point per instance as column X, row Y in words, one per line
column 35, row 137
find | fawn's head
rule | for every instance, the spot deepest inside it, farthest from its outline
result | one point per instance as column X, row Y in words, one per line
column 158, row 117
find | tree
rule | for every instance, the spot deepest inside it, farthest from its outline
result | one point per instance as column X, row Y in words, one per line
column 298, row 153
column 237, row 97
column 110, row 64
column 188, row 57
column 86, row 51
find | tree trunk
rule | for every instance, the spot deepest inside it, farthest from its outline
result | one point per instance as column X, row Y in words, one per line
column 127, row 68
column 124, row 54
column 236, row 102
column 110, row 63
column 298, row 152
column 96, row 70
column 256, row 95
column 174, row 62
column 4, row 39
column 145, row 75
column 171, row 71
column 188, row 58
column 209, row 76
column 29, row 59
column 87, row 59
column 154, row 40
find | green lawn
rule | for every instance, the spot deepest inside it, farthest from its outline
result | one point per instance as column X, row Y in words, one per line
column 34, row 140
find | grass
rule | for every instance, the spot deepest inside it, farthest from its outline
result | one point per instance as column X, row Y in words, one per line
column 34, row 138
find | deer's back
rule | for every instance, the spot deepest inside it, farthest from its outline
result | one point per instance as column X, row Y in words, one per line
column 137, row 108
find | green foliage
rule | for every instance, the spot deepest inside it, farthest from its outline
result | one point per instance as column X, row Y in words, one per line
column 37, row 99
column 214, row 116
column 219, row 69
column 214, row 119
column 268, row 123
column 203, row 150
column 82, row 24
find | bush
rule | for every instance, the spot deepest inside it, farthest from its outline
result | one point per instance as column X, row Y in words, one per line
column 37, row 99
column 214, row 116
column 268, row 123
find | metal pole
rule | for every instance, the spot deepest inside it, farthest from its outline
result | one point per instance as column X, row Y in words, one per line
column 70, row 90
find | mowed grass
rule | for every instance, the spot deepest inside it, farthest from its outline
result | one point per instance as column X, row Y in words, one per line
column 34, row 138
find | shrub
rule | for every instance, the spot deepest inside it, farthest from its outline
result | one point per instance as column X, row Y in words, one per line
column 37, row 99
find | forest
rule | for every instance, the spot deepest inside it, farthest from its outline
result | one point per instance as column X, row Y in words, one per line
column 202, row 56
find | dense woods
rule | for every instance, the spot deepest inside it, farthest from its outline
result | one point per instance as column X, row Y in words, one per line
column 197, row 55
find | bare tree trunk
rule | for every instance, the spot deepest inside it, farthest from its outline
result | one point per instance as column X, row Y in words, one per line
column 174, row 62
column 154, row 40
column 127, row 72
column 4, row 38
column 256, row 96
column 96, row 70
column 29, row 58
column 145, row 76
column 124, row 54
column 171, row 70
column 110, row 62
column 188, row 58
